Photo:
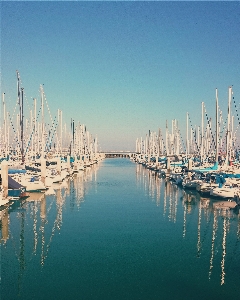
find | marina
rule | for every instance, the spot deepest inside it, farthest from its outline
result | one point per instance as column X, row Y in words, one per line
column 120, row 150
column 118, row 231
column 118, row 224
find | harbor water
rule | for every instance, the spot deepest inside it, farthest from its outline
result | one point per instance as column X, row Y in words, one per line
column 118, row 231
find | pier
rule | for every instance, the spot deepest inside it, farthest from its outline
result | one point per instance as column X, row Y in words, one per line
column 116, row 154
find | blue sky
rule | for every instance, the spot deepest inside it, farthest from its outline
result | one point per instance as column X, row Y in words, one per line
column 122, row 68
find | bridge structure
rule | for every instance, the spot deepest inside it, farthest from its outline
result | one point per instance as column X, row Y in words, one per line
column 116, row 154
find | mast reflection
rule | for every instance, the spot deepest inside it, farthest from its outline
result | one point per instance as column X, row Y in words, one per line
column 31, row 224
column 156, row 188
column 4, row 219
column 215, row 219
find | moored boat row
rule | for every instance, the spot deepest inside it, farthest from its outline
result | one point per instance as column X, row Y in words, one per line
column 19, row 184
column 37, row 151
column 207, row 162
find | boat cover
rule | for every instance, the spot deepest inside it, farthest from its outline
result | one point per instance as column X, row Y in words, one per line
column 12, row 184
column 16, row 171
column 32, row 169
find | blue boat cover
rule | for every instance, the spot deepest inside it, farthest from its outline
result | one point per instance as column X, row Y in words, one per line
column 12, row 184
column 14, row 171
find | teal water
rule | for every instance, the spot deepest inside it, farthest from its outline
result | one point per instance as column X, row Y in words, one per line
column 116, row 231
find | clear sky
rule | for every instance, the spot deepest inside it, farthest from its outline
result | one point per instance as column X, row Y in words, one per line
column 122, row 68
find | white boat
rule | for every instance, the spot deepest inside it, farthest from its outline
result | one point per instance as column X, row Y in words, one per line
column 204, row 188
column 190, row 183
column 31, row 182
column 226, row 191
column 52, row 176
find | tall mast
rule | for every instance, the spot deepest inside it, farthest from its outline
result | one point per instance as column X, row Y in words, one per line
column 187, row 141
column 167, row 138
column 35, row 128
column 42, row 104
column 198, row 136
column 73, row 137
column 4, row 124
column 232, row 138
column 202, row 136
column 191, row 143
column 21, row 122
column 172, row 139
column 61, row 130
column 19, row 103
column 217, row 129
column 58, row 120
column 31, row 133
column 18, row 87
column 177, row 138
column 70, row 147
column 159, row 141
column 228, row 124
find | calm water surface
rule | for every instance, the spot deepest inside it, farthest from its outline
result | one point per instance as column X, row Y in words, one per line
column 116, row 231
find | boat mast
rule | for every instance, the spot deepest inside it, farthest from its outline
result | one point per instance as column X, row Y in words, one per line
column 232, row 138
column 31, row 133
column 19, row 103
column 4, row 124
column 187, row 142
column 73, row 143
column 21, row 122
column 61, row 131
column 35, row 128
column 167, row 151
column 228, row 124
column 58, row 121
column 42, row 103
column 217, row 129
column 202, row 135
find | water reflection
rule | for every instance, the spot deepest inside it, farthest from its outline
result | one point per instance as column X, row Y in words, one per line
column 217, row 223
column 28, row 227
column 4, row 225
column 156, row 188
column 206, row 229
